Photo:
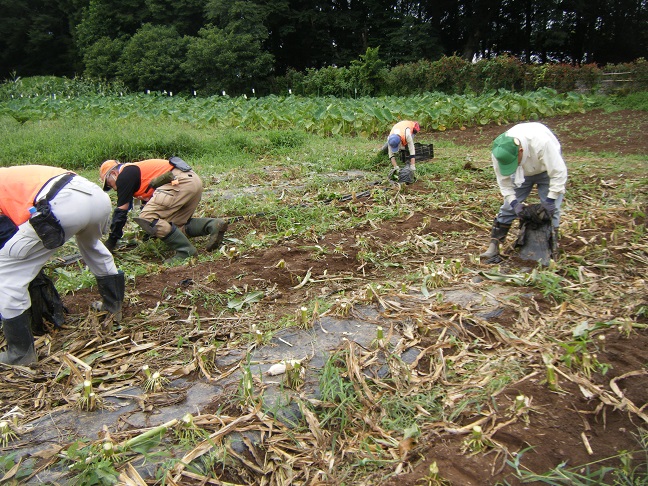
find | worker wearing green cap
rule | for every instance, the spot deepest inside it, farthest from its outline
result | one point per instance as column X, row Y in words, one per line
column 525, row 156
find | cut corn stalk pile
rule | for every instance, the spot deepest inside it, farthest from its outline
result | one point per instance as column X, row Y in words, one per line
column 432, row 369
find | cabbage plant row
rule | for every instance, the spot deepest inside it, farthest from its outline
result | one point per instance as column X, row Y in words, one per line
column 319, row 115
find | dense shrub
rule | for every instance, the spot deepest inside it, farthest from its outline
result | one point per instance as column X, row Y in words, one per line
column 501, row 72
column 455, row 75
column 293, row 81
column 450, row 74
column 588, row 77
column 328, row 81
column 367, row 76
column 409, row 79
column 640, row 71
column 368, row 73
column 560, row 76
column 625, row 77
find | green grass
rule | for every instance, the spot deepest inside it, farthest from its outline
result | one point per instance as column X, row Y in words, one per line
column 338, row 394
column 631, row 101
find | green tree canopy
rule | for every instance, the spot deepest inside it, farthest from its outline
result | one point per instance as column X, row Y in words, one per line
column 152, row 59
column 35, row 38
column 64, row 37
column 102, row 59
column 218, row 61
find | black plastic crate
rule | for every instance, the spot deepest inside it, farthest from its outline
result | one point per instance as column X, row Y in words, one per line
column 423, row 152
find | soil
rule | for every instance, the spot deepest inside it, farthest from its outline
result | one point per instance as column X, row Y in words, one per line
column 563, row 425
column 624, row 133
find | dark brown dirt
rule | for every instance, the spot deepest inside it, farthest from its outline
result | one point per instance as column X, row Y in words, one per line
column 624, row 133
column 560, row 420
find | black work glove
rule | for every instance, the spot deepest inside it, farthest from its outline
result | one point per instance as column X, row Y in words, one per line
column 393, row 174
column 549, row 205
column 111, row 244
column 162, row 179
column 535, row 214
column 517, row 207
column 119, row 219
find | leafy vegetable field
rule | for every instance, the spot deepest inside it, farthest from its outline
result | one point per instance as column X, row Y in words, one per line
column 405, row 360
column 321, row 115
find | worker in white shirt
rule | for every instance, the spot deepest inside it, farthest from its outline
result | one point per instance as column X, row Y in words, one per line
column 525, row 156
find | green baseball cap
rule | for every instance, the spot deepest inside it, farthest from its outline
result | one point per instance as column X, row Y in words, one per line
column 505, row 151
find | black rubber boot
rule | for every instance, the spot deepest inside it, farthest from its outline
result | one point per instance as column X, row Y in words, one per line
column 111, row 288
column 213, row 227
column 176, row 240
column 498, row 236
column 20, row 341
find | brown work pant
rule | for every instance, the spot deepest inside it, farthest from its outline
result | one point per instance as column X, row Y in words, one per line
column 173, row 203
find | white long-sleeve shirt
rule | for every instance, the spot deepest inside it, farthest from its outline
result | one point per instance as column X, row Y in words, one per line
column 410, row 144
column 541, row 152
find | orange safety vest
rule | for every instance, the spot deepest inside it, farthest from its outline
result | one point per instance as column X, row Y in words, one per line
column 149, row 169
column 399, row 129
column 19, row 185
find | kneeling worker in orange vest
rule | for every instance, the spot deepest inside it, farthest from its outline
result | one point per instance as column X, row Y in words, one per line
column 171, row 191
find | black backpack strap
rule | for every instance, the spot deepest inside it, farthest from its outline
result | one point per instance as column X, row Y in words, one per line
column 58, row 185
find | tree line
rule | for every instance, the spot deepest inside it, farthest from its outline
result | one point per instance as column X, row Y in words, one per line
column 238, row 46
